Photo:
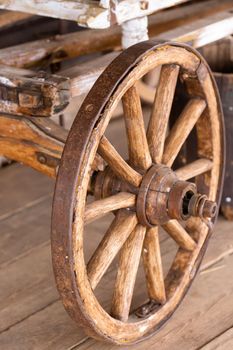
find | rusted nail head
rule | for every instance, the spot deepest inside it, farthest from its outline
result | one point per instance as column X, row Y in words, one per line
column 89, row 108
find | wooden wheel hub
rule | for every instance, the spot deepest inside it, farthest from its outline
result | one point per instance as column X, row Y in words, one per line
column 161, row 197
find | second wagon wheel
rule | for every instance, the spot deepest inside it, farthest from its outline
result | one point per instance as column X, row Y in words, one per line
column 143, row 192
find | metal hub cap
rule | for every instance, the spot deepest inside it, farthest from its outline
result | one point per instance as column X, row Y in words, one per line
column 161, row 196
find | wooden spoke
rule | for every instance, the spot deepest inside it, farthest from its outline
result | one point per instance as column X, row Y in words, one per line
column 115, row 237
column 161, row 111
column 102, row 207
column 153, row 266
column 193, row 169
column 182, row 129
column 178, row 233
column 139, row 154
column 126, row 275
column 117, row 163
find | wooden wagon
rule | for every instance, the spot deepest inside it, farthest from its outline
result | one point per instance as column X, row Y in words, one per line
column 146, row 189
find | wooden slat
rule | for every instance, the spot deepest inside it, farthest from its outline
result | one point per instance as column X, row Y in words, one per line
column 139, row 154
column 127, row 272
column 157, row 127
column 203, row 31
column 153, row 266
column 115, row 237
column 25, row 223
column 41, row 270
column 27, row 281
column 101, row 207
column 38, row 328
column 194, row 169
column 181, row 129
column 178, row 233
column 223, row 341
column 9, row 18
column 89, row 13
column 117, row 163
column 83, row 76
column 14, row 180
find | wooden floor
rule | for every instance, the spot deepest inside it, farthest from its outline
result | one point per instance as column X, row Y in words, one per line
column 31, row 315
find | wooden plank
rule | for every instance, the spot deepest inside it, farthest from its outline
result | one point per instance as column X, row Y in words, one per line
column 179, row 16
column 89, row 13
column 203, row 31
column 222, row 342
column 27, row 282
column 66, row 9
column 84, row 75
column 50, row 328
column 32, row 292
column 14, row 27
column 27, row 285
column 24, row 92
column 24, row 231
column 22, row 188
column 9, row 18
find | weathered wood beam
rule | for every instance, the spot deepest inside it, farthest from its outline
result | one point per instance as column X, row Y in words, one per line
column 203, row 31
column 10, row 18
column 89, row 13
column 14, row 27
column 24, row 92
column 23, row 141
column 67, row 46
column 83, row 76
column 35, row 142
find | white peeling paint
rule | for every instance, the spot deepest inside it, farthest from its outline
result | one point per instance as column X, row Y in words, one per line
column 87, row 13
column 134, row 31
column 7, row 82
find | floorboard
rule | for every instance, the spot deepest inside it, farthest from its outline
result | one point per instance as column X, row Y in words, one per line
column 31, row 315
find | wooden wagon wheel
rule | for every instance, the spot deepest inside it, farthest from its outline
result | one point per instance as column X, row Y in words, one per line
column 143, row 192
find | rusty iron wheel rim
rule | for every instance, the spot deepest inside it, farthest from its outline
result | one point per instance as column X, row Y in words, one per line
column 70, row 194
